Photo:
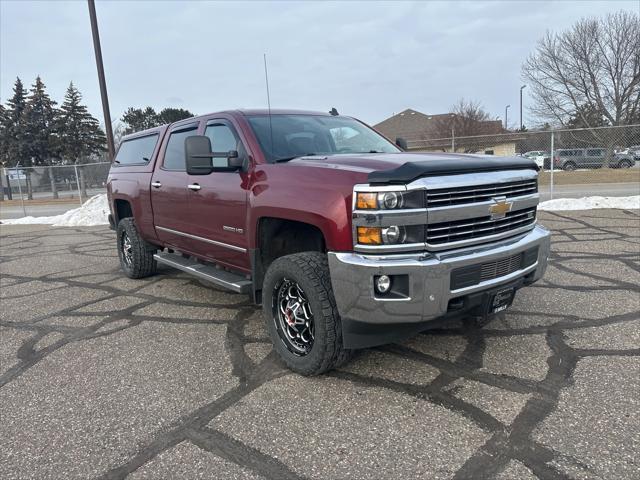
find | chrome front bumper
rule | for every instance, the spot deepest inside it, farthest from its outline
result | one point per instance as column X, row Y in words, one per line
column 429, row 275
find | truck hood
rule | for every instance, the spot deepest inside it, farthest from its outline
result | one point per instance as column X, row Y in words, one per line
column 400, row 168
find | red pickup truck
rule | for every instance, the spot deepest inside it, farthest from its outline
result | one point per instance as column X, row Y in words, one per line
column 345, row 239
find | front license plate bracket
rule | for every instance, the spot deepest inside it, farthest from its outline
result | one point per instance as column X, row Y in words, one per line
column 500, row 300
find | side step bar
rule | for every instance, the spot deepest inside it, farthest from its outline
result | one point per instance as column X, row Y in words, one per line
column 221, row 278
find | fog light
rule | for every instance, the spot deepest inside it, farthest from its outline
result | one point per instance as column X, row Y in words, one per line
column 383, row 284
column 393, row 234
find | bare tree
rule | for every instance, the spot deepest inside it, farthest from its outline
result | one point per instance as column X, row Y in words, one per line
column 594, row 67
column 467, row 118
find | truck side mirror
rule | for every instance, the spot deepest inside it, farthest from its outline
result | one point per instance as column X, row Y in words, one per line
column 402, row 143
column 199, row 157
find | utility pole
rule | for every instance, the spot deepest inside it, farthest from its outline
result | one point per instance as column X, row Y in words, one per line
column 506, row 117
column 453, row 133
column 521, row 124
column 101, row 79
column 453, row 139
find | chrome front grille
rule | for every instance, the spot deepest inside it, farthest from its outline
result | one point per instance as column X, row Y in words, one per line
column 472, row 228
column 452, row 211
column 473, row 194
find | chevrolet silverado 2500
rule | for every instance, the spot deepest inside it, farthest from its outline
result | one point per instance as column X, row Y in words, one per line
column 346, row 240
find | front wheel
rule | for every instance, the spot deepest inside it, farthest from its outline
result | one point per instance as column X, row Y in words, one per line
column 569, row 166
column 301, row 314
column 136, row 255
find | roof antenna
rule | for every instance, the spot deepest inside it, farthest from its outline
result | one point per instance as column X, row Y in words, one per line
column 334, row 112
column 266, row 81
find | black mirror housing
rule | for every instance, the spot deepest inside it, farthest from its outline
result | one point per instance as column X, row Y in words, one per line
column 235, row 161
column 199, row 157
column 402, row 143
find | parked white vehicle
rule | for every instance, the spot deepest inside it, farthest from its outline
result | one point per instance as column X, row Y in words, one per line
column 537, row 156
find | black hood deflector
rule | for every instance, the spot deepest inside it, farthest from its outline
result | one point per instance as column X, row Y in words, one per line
column 411, row 171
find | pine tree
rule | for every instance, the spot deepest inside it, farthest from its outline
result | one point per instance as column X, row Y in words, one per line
column 40, row 123
column 79, row 133
column 40, row 116
column 14, row 147
column 3, row 132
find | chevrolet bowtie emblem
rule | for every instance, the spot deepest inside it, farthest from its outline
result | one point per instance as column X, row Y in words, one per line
column 500, row 207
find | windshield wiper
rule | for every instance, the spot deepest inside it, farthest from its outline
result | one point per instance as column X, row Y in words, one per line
column 286, row 159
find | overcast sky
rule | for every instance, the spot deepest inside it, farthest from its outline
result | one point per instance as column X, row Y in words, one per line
column 366, row 59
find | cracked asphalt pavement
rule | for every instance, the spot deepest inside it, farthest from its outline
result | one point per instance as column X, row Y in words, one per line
column 106, row 377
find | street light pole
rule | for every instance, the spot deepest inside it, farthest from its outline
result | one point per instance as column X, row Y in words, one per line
column 506, row 117
column 101, row 80
column 521, row 124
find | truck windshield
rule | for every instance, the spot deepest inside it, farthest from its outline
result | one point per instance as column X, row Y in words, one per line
column 292, row 136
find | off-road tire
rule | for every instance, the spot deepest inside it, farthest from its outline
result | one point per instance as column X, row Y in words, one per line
column 311, row 271
column 141, row 264
column 569, row 166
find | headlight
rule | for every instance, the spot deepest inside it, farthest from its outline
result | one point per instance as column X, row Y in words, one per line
column 366, row 201
column 383, row 200
column 381, row 235
column 369, row 235
column 389, row 200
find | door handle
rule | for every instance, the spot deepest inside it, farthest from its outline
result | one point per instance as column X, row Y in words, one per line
column 156, row 184
column 194, row 186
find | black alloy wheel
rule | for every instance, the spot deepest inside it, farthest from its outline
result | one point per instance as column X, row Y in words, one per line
column 293, row 317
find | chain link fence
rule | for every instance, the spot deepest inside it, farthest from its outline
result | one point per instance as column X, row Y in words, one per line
column 575, row 163
column 49, row 190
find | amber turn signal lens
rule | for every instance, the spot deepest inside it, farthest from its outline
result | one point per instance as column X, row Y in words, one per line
column 369, row 236
column 367, row 201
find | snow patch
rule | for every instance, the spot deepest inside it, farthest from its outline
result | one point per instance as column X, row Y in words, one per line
column 94, row 211
column 589, row 203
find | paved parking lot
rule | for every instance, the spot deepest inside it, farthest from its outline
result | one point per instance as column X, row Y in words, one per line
column 102, row 376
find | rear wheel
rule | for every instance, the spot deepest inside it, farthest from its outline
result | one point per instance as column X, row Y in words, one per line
column 301, row 314
column 569, row 166
column 136, row 255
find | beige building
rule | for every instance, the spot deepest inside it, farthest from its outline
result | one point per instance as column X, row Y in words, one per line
column 437, row 133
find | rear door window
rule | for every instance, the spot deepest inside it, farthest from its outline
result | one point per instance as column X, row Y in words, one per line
column 137, row 151
column 174, row 156
column 570, row 153
column 595, row 152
